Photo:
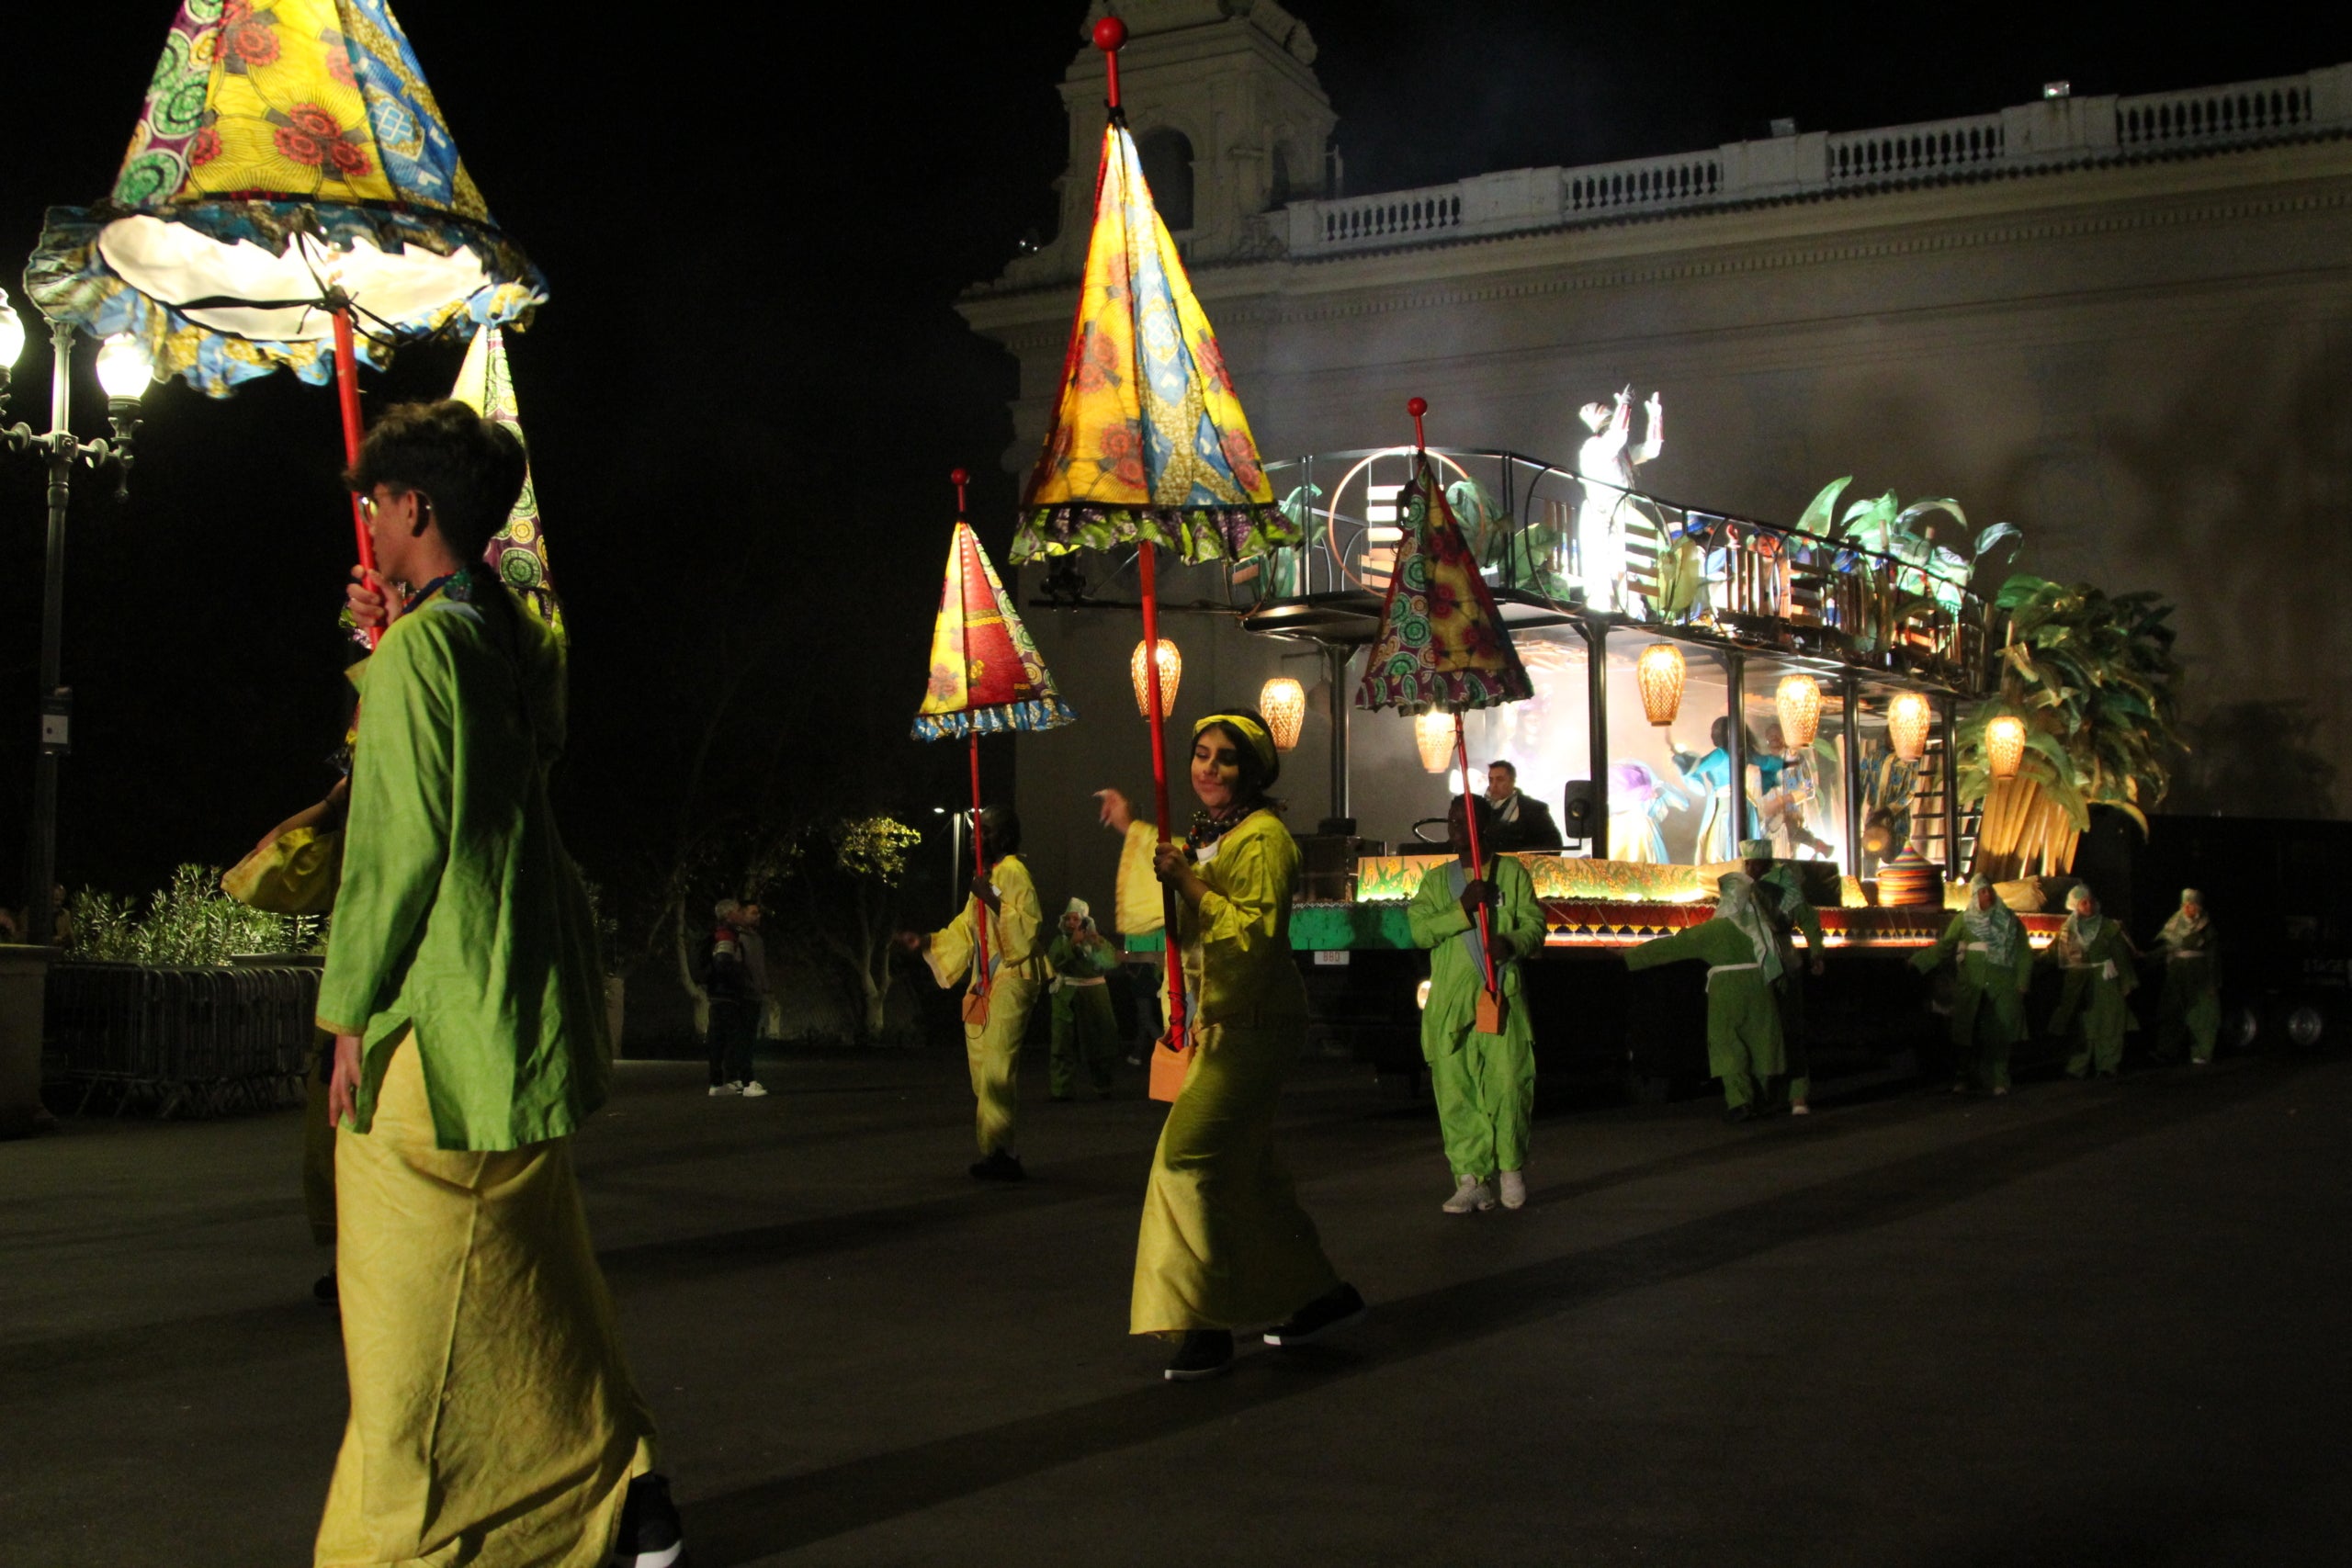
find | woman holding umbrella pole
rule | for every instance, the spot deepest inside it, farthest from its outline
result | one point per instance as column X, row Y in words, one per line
column 1223, row 1241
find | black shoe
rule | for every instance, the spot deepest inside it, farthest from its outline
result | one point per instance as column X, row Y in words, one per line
column 324, row 1291
column 651, row 1535
column 1204, row 1353
column 1739, row 1113
column 999, row 1166
column 1336, row 1308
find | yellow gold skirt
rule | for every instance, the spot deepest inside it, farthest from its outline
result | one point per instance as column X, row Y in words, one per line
column 493, row 1422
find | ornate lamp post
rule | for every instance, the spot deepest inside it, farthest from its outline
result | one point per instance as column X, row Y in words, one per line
column 123, row 372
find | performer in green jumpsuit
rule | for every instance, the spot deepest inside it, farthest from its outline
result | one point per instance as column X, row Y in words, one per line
column 2097, row 958
column 1085, row 1030
column 1485, row 1084
column 1006, row 901
column 2189, row 1006
column 1743, row 1043
column 1786, row 910
column 1224, row 1240
column 1993, row 970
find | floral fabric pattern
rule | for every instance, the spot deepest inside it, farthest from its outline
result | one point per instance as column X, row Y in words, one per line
column 1441, row 642
column 268, row 120
column 986, row 677
column 1148, row 443
column 519, row 551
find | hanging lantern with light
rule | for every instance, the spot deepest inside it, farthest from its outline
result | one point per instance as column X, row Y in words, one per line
column 1907, row 726
column 1433, row 734
column 1282, row 703
column 1660, row 673
column 1171, row 670
column 2004, row 744
column 1798, row 698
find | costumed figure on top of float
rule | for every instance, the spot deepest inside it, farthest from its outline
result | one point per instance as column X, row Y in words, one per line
column 1484, row 1084
column 1605, row 463
column 1639, row 802
column 1086, row 1032
column 2188, row 1008
column 2097, row 958
column 1993, row 969
column 1745, row 1045
column 1719, row 832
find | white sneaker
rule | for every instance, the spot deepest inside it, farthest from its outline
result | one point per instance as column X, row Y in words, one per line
column 750, row 1089
column 1514, row 1186
column 1799, row 1109
column 719, row 1088
column 1469, row 1193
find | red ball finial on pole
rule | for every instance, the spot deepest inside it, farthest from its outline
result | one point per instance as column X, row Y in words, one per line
column 1110, row 33
column 959, row 478
column 1418, row 407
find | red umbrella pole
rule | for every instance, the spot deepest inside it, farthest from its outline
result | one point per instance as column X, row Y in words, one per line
column 980, row 867
column 1148, row 567
column 1477, row 856
column 346, row 386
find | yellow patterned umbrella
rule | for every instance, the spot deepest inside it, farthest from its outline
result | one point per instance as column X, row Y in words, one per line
column 519, row 552
column 1148, row 445
column 289, row 173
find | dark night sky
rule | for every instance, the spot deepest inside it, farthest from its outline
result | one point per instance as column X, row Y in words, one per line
column 750, row 382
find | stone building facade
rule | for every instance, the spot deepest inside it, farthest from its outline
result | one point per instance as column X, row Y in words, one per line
column 2120, row 323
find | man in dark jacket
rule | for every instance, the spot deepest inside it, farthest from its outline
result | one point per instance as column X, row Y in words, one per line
column 1521, row 821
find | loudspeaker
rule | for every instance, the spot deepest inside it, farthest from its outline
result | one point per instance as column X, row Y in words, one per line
column 1578, row 810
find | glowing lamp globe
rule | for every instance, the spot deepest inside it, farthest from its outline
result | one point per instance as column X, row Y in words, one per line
column 1798, row 699
column 1433, row 734
column 2004, row 744
column 12, row 336
column 1907, row 726
column 1171, row 670
column 1283, row 701
column 123, row 369
column 1660, row 673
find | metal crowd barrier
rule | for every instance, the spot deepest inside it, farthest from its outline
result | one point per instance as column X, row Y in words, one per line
column 198, row 1041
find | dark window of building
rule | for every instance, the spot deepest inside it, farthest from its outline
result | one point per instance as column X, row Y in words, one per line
column 1168, row 169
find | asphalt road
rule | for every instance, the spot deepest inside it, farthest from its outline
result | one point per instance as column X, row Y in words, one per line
column 2089, row 1323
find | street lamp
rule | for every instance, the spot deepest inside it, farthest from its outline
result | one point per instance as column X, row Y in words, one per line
column 124, row 372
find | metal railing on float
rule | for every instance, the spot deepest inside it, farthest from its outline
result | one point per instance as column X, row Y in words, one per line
column 1532, row 524
column 199, row 1042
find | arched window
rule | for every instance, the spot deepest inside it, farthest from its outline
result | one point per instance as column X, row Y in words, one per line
column 1167, row 157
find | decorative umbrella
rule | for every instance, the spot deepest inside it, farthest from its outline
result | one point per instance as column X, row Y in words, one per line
column 1148, row 445
column 1443, row 645
column 519, row 551
column 291, row 173
column 986, row 677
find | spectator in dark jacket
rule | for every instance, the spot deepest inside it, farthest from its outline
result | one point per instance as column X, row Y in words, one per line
column 1521, row 821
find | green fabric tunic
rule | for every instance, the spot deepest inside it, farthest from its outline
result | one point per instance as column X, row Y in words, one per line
column 1987, row 1004
column 2188, row 1008
column 459, row 915
column 1086, row 1030
column 1485, row 1084
column 1224, row 1240
column 1744, row 1040
column 1787, row 909
column 2092, row 1008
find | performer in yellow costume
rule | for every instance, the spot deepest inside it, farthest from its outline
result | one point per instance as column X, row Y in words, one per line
column 1223, row 1241
column 493, row 1421
column 1007, row 902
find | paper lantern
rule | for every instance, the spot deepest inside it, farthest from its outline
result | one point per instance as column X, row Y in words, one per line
column 1907, row 726
column 1171, row 670
column 2004, row 744
column 1283, row 702
column 1434, row 733
column 1798, row 699
column 1660, row 673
